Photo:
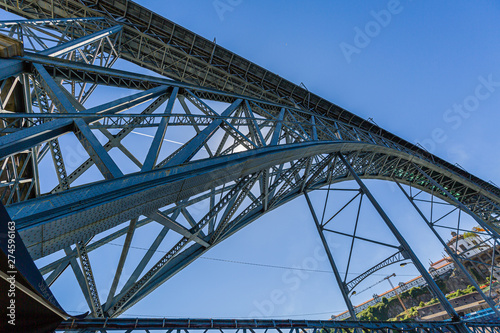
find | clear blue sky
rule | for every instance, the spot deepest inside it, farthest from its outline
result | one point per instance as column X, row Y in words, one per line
column 408, row 76
column 428, row 57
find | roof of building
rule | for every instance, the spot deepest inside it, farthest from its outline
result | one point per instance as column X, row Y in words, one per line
column 443, row 265
column 447, row 259
column 454, row 239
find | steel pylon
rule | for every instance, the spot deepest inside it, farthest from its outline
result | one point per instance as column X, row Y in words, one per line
column 249, row 142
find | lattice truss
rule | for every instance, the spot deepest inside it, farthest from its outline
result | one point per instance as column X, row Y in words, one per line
column 281, row 326
column 230, row 159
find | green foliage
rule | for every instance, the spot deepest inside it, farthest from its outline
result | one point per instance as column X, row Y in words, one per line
column 469, row 234
column 380, row 311
column 411, row 313
column 416, row 291
column 413, row 292
column 408, row 315
column 376, row 312
column 461, row 292
column 432, row 301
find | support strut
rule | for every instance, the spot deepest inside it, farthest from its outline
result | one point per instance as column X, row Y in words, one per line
column 430, row 282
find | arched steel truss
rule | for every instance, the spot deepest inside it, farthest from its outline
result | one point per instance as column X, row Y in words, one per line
column 249, row 157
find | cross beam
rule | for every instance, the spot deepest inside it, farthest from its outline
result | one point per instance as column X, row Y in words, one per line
column 275, row 325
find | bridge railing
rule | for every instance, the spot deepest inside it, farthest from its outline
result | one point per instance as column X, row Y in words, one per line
column 272, row 325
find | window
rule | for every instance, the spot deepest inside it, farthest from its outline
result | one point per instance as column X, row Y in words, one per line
column 462, row 247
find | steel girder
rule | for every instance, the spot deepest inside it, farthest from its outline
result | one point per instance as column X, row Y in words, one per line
column 51, row 223
column 158, row 44
column 246, row 156
column 291, row 326
column 132, row 195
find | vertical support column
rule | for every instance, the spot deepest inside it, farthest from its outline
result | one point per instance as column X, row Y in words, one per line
column 430, row 282
column 342, row 286
column 450, row 252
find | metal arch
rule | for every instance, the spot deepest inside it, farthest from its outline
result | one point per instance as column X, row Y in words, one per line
column 165, row 48
column 159, row 89
column 38, row 212
column 239, row 223
column 300, row 151
column 374, row 139
column 397, row 257
column 120, row 76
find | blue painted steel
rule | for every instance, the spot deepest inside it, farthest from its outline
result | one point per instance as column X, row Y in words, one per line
column 277, row 129
column 9, row 23
column 404, row 244
column 279, row 325
column 43, row 209
column 119, row 75
column 155, row 147
column 450, row 252
column 10, row 68
column 341, row 284
column 256, row 128
column 74, row 44
column 97, row 207
column 314, row 129
column 54, row 90
column 127, row 102
column 194, row 145
column 96, row 151
column 29, row 137
column 479, row 220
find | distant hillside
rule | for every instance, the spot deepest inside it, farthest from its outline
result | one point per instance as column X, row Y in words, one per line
column 454, row 284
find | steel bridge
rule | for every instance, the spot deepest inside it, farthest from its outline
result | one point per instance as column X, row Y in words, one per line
column 256, row 142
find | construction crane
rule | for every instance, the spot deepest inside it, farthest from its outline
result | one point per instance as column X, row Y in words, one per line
column 388, row 278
